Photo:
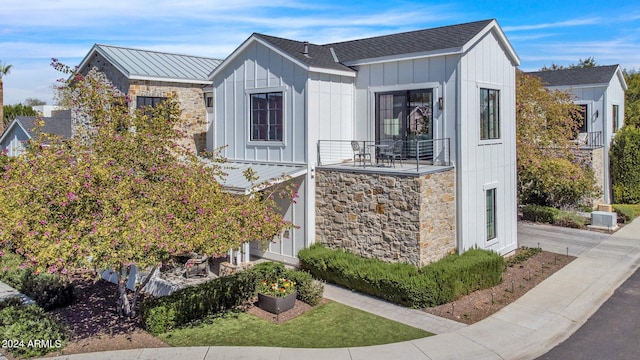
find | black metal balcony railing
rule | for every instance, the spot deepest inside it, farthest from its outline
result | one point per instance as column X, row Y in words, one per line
column 421, row 152
column 590, row 140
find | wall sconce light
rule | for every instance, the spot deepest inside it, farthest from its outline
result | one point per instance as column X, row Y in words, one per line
column 597, row 113
column 440, row 103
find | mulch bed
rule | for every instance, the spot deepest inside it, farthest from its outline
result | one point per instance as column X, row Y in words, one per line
column 517, row 281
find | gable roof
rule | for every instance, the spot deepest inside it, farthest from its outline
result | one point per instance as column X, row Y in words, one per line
column 58, row 124
column 317, row 55
column 137, row 64
column 420, row 41
column 597, row 75
column 338, row 57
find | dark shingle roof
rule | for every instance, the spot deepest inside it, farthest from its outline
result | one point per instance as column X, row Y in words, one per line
column 318, row 55
column 446, row 37
column 577, row 76
column 58, row 124
column 440, row 38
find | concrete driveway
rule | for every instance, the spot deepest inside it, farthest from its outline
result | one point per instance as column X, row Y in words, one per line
column 558, row 239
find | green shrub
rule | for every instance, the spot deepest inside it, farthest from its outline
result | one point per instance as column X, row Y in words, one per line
column 522, row 255
column 10, row 301
column 403, row 283
column 10, row 271
column 624, row 165
column 625, row 212
column 270, row 271
column 538, row 213
column 48, row 290
column 183, row 306
column 31, row 331
column 569, row 220
column 309, row 290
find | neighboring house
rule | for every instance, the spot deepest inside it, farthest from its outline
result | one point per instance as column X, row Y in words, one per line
column 599, row 91
column 447, row 94
column 47, row 110
column 149, row 77
column 21, row 129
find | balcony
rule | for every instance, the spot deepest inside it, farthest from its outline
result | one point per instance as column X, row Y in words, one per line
column 398, row 157
column 590, row 140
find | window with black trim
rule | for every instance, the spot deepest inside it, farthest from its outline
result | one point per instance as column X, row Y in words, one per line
column 266, row 116
column 148, row 101
column 582, row 118
column 616, row 117
column 490, row 204
column 489, row 114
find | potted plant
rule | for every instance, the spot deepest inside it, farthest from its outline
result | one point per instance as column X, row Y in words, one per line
column 277, row 296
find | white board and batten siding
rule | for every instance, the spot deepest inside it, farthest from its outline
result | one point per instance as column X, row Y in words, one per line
column 487, row 164
column 259, row 69
column 413, row 74
column 600, row 99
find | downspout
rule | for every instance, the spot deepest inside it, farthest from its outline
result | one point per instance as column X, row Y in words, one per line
column 458, row 157
column 606, row 175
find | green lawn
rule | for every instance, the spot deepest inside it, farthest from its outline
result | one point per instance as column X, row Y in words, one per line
column 327, row 326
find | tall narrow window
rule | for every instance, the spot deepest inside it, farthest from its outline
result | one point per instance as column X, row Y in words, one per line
column 582, row 118
column 616, row 118
column 491, row 213
column 266, row 116
column 489, row 114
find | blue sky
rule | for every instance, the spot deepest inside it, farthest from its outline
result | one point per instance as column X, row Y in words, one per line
column 542, row 32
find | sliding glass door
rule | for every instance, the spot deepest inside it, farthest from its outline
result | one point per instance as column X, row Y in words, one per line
column 405, row 115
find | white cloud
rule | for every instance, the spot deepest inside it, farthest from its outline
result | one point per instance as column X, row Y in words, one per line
column 559, row 24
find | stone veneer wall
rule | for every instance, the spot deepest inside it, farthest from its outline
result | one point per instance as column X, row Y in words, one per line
column 191, row 100
column 189, row 96
column 595, row 159
column 395, row 218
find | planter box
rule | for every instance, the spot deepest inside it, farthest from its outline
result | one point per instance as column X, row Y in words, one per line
column 276, row 304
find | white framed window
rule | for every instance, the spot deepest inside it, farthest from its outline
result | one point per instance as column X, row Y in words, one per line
column 491, row 219
column 489, row 114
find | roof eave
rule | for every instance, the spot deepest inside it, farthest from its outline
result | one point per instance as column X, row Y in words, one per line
column 15, row 123
column 332, row 71
column 253, row 38
column 169, row 79
column 623, row 82
column 577, row 86
column 412, row 56
column 493, row 26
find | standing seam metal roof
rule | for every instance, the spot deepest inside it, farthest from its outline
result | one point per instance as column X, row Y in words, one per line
column 159, row 65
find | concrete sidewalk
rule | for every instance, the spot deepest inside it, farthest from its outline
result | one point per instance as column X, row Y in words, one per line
column 526, row 329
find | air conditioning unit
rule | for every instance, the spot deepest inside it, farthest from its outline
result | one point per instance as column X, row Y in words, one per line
column 604, row 220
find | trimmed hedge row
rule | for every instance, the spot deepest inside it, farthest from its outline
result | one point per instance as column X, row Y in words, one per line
column 539, row 213
column 546, row 214
column 625, row 212
column 183, row 306
column 402, row 283
column 221, row 294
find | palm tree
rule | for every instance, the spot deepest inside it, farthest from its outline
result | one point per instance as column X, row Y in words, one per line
column 4, row 70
